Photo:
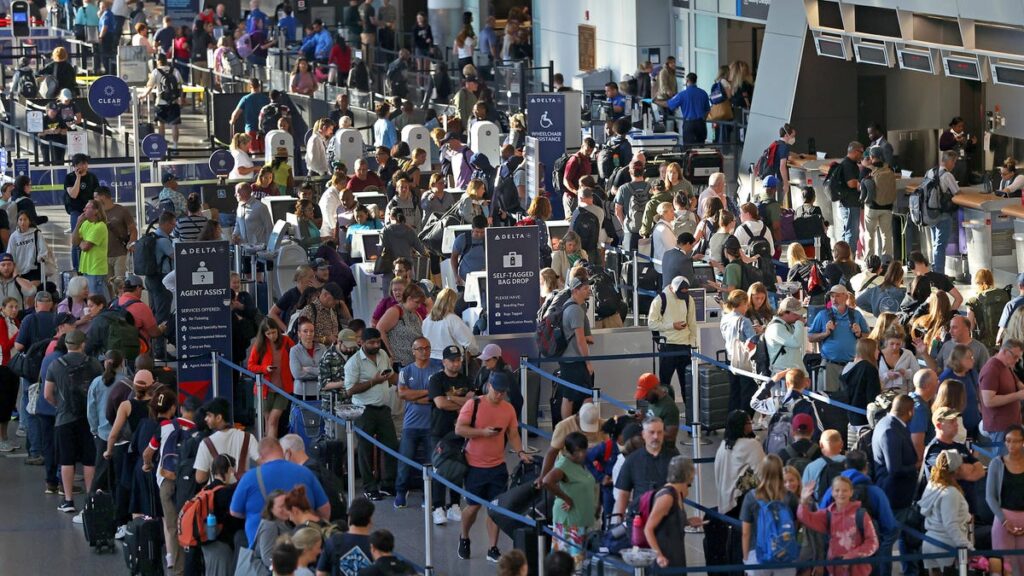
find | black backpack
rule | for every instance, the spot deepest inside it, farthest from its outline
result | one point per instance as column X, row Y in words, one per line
column 762, row 363
column 551, row 338
column 270, row 114
column 800, row 460
column 759, row 246
column 79, row 381
column 611, row 157
column 607, row 299
column 170, row 88
column 185, row 486
column 828, row 473
column 558, row 171
column 835, row 186
column 749, row 275
column 28, row 363
column 26, row 84
column 145, row 261
column 585, row 224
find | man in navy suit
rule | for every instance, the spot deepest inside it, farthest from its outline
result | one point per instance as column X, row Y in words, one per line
column 896, row 465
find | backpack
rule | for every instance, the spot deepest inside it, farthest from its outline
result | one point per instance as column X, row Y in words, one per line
column 780, row 432
column 558, row 171
column 749, row 275
column 28, row 363
column 192, row 518
column 828, row 473
column 759, row 246
column 920, row 212
column 762, row 363
column 768, row 162
column 835, row 186
column 611, row 157
column 270, row 114
column 48, row 87
column 145, row 261
column 12, row 208
column 588, row 227
column 27, row 86
column 643, row 512
column 615, row 181
column 717, row 95
column 170, row 87
column 607, row 299
column 776, row 533
column 800, row 460
column 506, row 197
column 863, row 443
column 78, row 390
column 170, row 450
column 988, row 307
column 244, row 46
column 185, row 483
column 551, row 338
column 640, row 195
column 121, row 331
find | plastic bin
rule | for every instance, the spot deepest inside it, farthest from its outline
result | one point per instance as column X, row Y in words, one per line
column 979, row 244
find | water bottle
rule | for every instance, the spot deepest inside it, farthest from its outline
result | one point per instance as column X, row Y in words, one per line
column 211, row 527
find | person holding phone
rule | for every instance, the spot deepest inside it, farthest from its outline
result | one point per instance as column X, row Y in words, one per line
column 368, row 374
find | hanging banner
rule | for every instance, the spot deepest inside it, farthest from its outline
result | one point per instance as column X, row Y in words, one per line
column 513, row 279
column 546, row 122
column 203, row 299
column 757, row 9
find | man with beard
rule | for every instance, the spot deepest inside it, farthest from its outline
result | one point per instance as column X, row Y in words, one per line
column 658, row 402
column 644, row 469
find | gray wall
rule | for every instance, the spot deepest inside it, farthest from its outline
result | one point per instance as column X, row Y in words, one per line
column 825, row 107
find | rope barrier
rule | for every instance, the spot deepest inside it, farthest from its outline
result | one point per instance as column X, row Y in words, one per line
column 542, row 433
column 770, row 566
column 235, row 367
column 557, row 380
column 599, row 358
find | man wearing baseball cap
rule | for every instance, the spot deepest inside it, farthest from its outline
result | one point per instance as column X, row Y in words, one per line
column 878, row 192
column 66, row 383
column 836, row 330
column 947, row 423
column 79, row 187
column 448, row 390
column 576, row 327
column 673, row 316
column 332, row 365
column 586, row 421
column 13, row 285
column 324, row 312
column 654, row 399
column 786, row 337
column 801, row 449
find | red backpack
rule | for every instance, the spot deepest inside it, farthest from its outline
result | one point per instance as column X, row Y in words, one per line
column 192, row 518
column 643, row 513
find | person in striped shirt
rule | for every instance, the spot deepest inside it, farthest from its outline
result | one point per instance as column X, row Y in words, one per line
column 188, row 227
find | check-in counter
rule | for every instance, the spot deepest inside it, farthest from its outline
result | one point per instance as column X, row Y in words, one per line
column 1016, row 212
column 810, row 171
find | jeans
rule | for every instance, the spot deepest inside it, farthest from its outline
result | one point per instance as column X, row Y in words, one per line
column 97, row 284
column 909, row 568
column 885, row 549
column 76, row 252
column 741, row 391
column 49, row 448
column 669, row 366
column 940, row 238
column 849, row 221
column 412, row 439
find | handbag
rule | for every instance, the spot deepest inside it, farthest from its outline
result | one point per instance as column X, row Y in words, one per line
column 720, row 112
column 739, row 356
column 384, row 263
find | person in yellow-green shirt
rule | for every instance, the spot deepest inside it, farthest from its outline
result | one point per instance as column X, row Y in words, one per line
column 90, row 236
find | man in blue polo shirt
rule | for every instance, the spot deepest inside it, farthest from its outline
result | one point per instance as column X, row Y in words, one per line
column 468, row 250
column 615, row 100
column 837, row 330
column 693, row 103
column 413, row 387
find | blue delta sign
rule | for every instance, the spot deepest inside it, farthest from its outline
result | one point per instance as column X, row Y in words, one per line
column 110, row 96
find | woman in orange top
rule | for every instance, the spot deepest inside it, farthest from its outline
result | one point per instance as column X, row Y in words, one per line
column 269, row 358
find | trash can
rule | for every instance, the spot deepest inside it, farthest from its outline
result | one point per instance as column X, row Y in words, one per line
column 1018, row 240
column 979, row 244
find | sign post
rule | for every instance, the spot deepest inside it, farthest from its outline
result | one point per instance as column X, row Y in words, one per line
column 513, row 279
column 110, row 97
column 546, row 122
column 533, row 179
column 203, row 297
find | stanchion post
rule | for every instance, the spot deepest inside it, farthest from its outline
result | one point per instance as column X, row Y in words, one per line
column 540, row 553
column 215, row 377
column 695, row 422
column 350, row 458
column 639, row 570
column 524, row 411
column 962, row 560
column 636, row 297
column 428, row 562
column 595, row 397
column 259, row 407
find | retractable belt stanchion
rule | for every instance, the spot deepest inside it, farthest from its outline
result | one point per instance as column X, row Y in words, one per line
column 523, row 374
column 259, row 407
column 636, row 283
column 695, row 423
column 540, row 553
column 428, row 567
column 350, row 458
column 961, row 558
column 215, row 377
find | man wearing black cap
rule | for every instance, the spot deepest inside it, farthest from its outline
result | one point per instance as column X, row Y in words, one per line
column 576, row 327
column 55, row 131
column 170, row 199
column 325, row 313
column 448, row 390
column 79, row 187
column 368, row 375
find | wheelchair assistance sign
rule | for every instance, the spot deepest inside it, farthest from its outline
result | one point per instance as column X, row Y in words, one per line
column 513, row 279
column 203, row 325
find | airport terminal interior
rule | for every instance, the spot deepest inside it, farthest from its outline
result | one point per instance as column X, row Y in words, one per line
column 515, row 287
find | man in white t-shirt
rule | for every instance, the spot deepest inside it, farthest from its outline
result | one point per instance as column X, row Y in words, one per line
column 239, row 444
column 751, row 227
column 166, row 81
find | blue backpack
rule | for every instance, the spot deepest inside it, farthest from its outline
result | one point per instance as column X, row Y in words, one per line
column 776, row 533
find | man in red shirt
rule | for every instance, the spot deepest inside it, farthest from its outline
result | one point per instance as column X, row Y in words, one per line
column 577, row 167
column 1001, row 391
column 363, row 178
column 487, row 424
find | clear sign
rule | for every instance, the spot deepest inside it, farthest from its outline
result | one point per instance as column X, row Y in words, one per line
column 20, row 167
column 202, row 281
column 110, row 96
column 222, row 163
column 513, row 279
column 154, row 146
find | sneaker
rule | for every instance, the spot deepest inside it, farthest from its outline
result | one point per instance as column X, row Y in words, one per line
column 170, row 560
column 493, row 554
column 439, row 517
column 6, row 446
column 400, row 501
column 67, row 507
column 34, row 461
column 387, row 492
column 455, row 513
column 464, row 548
column 21, row 432
column 50, row 489
column 77, row 519
column 122, row 531
column 373, row 495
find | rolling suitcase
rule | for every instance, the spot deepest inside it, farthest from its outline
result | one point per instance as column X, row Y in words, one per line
column 714, row 385
column 647, row 279
column 525, row 540
column 98, row 520
column 722, row 545
column 144, row 547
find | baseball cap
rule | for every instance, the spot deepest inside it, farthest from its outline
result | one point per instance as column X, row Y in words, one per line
column 732, row 244
column 770, row 181
column 645, row 384
column 168, row 177
column 348, row 336
column 318, row 263
column 590, row 420
column 451, row 352
column 1020, row 277
column 679, row 283
column 501, row 382
column 876, row 152
column 132, row 281
column 371, row 334
column 6, row 257
column 802, row 423
column 577, row 283
column 790, row 304
column 944, row 413
column 472, row 79
column 873, row 261
column 65, row 94
column 450, row 136
column 838, row 289
column 143, row 376
column 76, row 337
column 954, row 459
column 65, row 318
column 44, row 296
column 490, row 351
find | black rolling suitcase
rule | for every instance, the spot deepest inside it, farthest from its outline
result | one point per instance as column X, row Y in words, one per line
column 98, row 521
column 722, row 546
column 714, row 387
column 144, row 547
column 647, row 279
column 525, row 540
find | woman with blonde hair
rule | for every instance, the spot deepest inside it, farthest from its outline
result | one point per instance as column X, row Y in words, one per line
column 740, row 338
column 800, row 268
column 443, row 327
column 141, row 38
column 569, row 253
column 675, row 182
column 947, row 518
column 952, row 394
column 887, row 322
column 927, row 331
column 760, row 311
column 244, row 166
column 62, row 70
column 770, row 491
column 473, row 203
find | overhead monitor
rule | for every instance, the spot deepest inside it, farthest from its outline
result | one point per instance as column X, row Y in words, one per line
column 963, row 67
column 872, row 53
column 831, row 46
column 1008, row 74
column 917, row 60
